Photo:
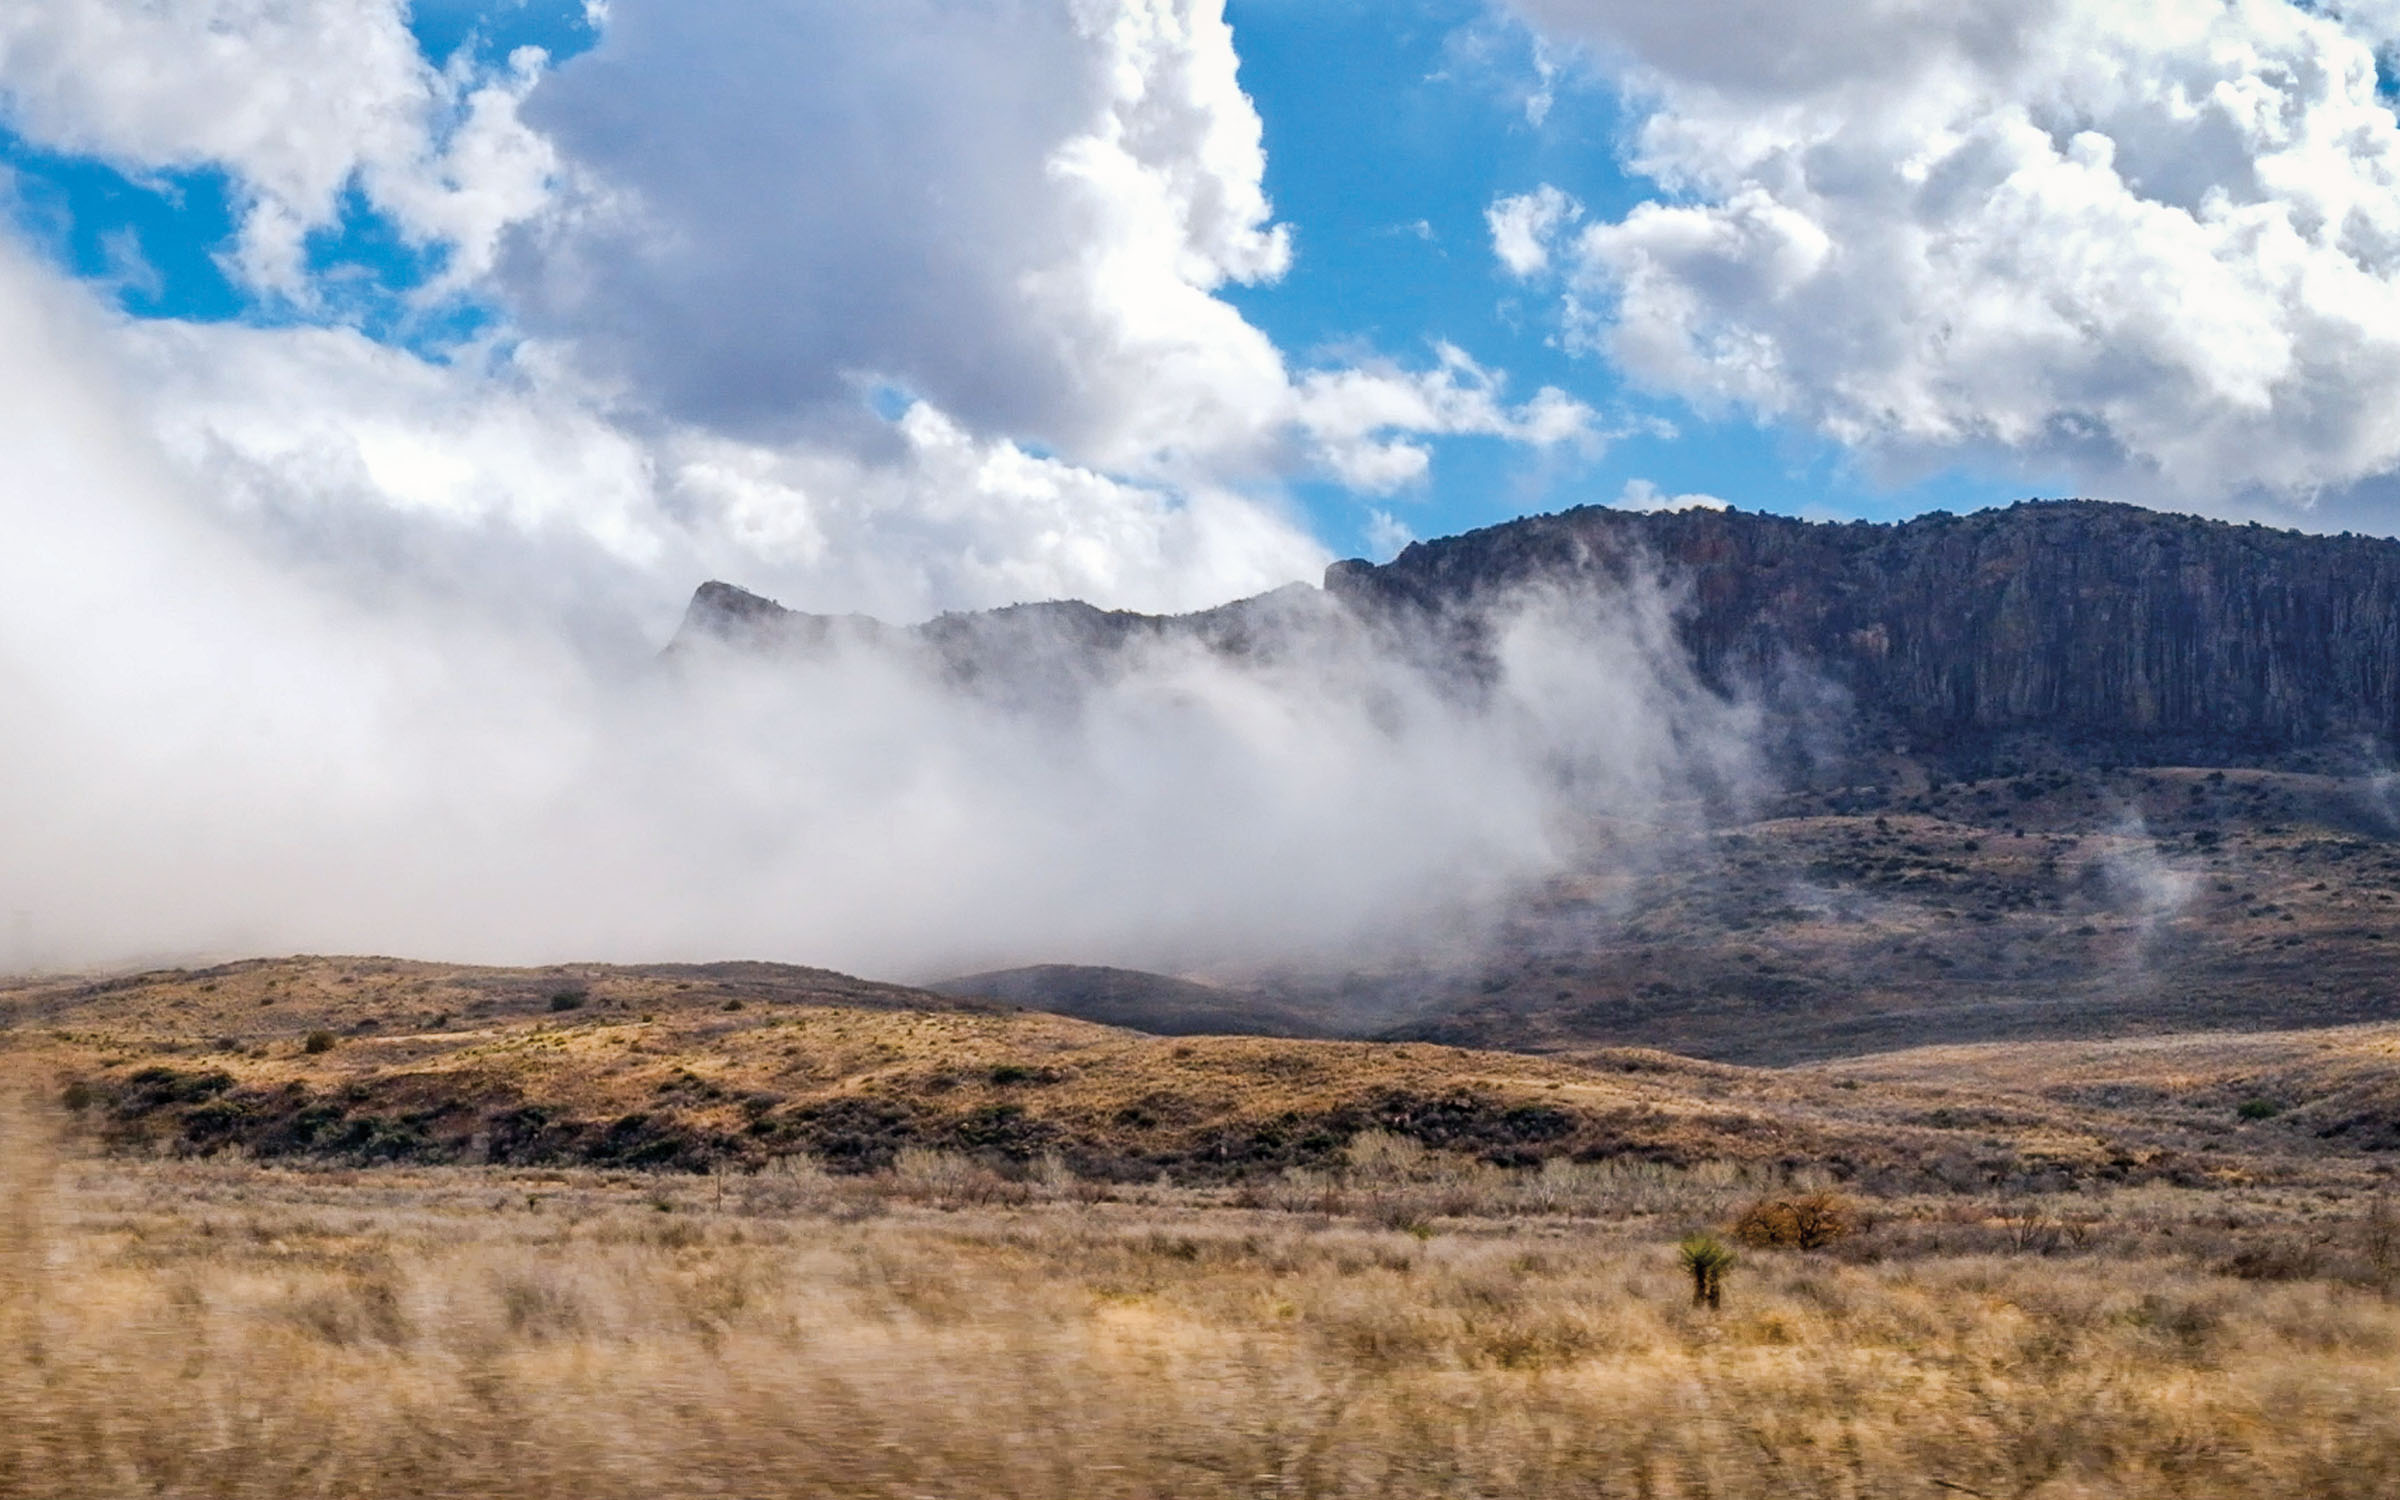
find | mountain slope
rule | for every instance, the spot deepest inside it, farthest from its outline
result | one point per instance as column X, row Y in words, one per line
column 669, row 1069
column 2064, row 769
column 1156, row 1003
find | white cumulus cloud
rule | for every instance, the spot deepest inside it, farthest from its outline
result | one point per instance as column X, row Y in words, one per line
column 298, row 100
column 1645, row 495
column 1524, row 226
column 1022, row 213
column 1364, row 420
column 2157, row 244
column 1018, row 211
column 501, row 476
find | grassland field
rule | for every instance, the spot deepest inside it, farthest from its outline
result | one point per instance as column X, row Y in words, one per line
column 351, row 1227
column 1395, row 1325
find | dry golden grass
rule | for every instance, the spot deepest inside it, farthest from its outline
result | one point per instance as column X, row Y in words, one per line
column 2073, row 1271
column 652, row 1070
column 228, row 1330
column 688, row 1087
column 2339, row 1084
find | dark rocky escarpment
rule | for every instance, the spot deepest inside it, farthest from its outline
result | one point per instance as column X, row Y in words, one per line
column 2092, row 632
column 2106, row 631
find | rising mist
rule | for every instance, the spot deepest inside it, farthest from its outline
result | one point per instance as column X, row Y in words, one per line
column 214, row 751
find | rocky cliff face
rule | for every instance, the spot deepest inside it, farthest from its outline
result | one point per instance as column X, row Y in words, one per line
column 2102, row 630
column 2088, row 631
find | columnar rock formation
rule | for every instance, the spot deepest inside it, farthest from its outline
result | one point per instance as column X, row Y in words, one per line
column 2104, row 629
column 2089, row 630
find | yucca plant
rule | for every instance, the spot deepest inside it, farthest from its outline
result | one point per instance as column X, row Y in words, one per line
column 1708, row 1259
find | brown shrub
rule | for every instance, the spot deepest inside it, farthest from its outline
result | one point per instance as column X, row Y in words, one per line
column 1809, row 1222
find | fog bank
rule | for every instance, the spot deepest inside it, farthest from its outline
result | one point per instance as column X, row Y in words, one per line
column 212, row 751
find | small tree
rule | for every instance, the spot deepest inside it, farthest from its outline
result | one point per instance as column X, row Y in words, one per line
column 1708, row 1259
column 1810, row 1222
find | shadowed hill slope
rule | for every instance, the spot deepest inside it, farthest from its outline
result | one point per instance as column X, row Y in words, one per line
column 1138, row 1001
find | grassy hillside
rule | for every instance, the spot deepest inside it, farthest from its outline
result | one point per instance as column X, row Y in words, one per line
column 330, row 1227
column 376, row 1061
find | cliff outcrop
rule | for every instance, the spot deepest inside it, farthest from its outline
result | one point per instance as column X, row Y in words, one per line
column 2105, row 630
column 2070, row 629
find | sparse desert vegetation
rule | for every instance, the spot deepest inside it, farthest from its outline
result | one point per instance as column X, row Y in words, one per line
column 770, row 1232
column 2043, row 903
column 949, row 1328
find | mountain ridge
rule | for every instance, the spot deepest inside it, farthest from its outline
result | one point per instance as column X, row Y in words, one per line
column 2059, row 769
column 2091, row 631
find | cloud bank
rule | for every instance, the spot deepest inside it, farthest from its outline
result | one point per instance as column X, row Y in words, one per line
column 900, row 307
column 215, row 752
column 316, row 641
column 2155, row 246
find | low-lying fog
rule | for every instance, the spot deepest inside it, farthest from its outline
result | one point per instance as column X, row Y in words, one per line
column 211, row 751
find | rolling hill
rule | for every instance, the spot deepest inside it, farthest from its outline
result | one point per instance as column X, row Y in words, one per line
column 341, row 1059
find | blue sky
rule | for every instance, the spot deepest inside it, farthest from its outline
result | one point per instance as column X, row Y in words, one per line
column 1395, row 258
column 1389, row 130
column 942, row 303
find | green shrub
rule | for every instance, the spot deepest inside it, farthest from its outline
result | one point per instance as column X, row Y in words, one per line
column 316, row 1042
column 2259, row 1109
